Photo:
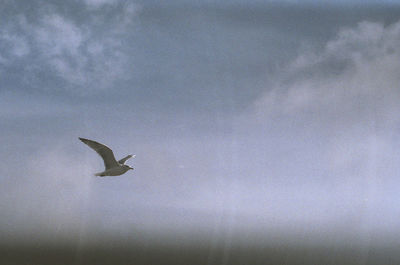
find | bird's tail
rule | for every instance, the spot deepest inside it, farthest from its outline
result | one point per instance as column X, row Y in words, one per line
column 100, row 174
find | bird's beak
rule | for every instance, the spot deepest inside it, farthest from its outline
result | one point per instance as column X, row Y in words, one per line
column 131, row 168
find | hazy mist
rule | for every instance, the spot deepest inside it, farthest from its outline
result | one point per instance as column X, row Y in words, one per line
column 253, row 123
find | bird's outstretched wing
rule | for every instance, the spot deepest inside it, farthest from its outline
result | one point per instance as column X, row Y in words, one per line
column 104, row 151
column 122, row 161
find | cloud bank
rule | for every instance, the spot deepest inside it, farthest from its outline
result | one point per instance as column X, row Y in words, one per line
column 315, row 153
column 355, row 77
column 339, row 107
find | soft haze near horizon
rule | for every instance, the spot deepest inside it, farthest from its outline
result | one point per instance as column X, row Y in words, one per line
column 248, row 120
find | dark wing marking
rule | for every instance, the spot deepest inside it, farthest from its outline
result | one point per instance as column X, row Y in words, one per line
column 122, row 161
column 104, row 151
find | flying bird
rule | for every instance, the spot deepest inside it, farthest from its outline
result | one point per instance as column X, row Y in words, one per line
column 112, row 166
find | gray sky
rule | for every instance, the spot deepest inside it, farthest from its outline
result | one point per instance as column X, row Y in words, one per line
column 247, row 119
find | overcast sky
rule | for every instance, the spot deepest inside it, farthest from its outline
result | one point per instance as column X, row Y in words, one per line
column 246, row 119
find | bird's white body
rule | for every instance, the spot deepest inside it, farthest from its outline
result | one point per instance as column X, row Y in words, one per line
column 112, row 166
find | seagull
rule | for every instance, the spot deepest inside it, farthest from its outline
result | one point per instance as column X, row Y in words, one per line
column 113, row 167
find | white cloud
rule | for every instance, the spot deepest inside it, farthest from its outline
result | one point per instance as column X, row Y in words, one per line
column 19, row 45
column 360, row 101
column 365, row 86
column 340, row 107
column 85, row 54
column 13, row 46
column 16, row 45
column 56, row 35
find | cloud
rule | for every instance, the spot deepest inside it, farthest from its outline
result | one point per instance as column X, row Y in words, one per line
column 99, row 3
column 356, row 74
column 88, row 54
column 316, row 150
column 335, row 111
column 57, row 35
column 13, row 45
column 17, row 45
